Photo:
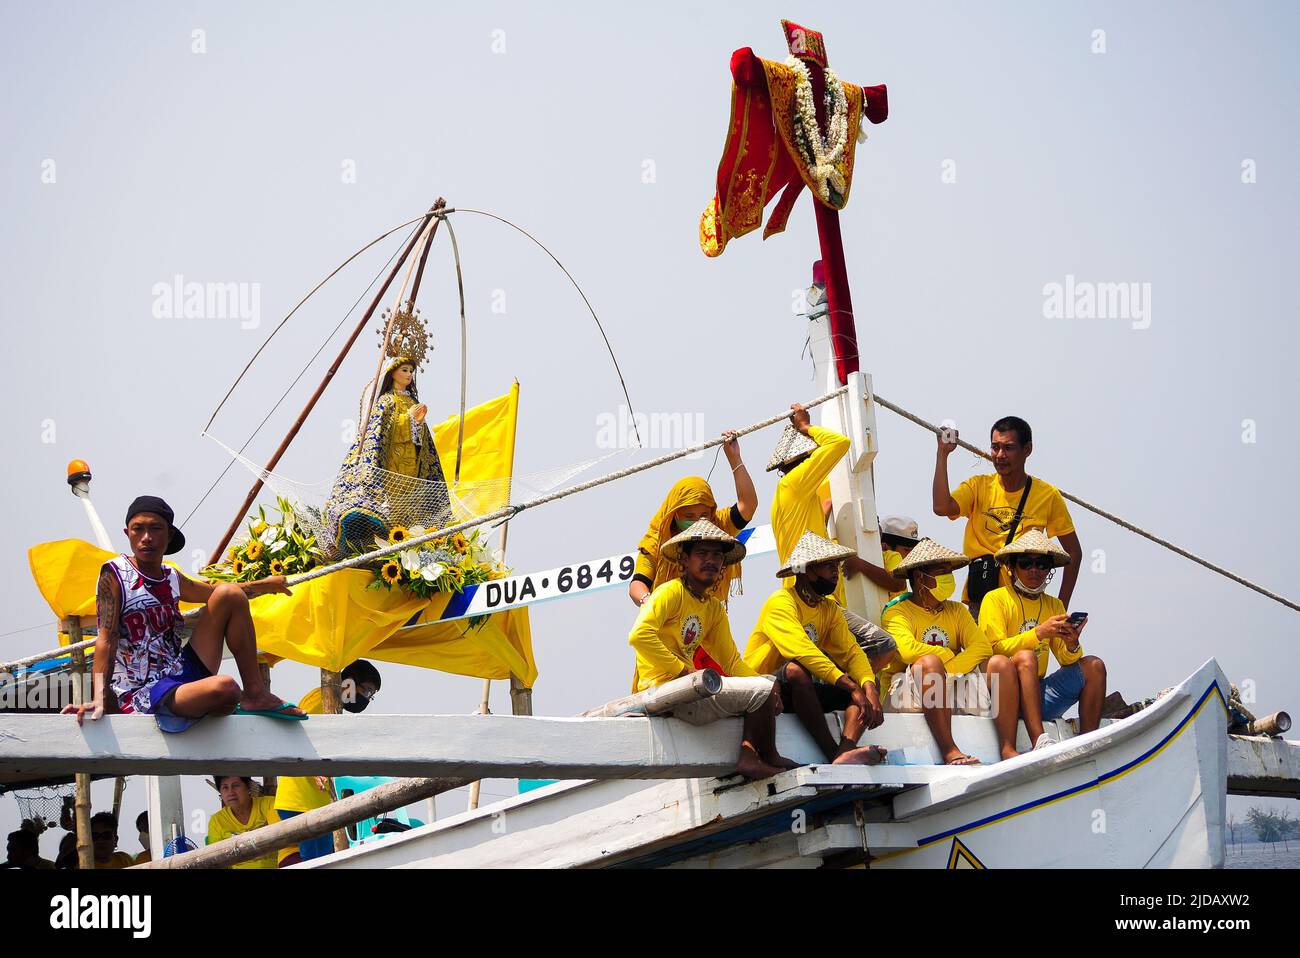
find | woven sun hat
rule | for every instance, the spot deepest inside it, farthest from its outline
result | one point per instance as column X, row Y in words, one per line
column 809, row 550
column 927, row 552
column 1034, row 542
column 789, row 447
column 702, row 530
column 901, row 527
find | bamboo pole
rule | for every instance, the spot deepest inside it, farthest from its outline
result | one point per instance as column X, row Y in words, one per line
column 119, row 786
column 476, row 786
column 85, row 844
column 315, row 397
column 269, row 782
column 331, row 703
column 317, row 822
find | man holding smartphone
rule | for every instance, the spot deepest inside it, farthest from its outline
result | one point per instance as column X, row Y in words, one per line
column 1023, row 622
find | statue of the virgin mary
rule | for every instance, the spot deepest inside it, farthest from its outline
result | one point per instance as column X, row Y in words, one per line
column 391, row 475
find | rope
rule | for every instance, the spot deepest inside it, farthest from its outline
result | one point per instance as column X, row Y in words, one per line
column 513, row 510
column 1122, row 523
column 587, row 302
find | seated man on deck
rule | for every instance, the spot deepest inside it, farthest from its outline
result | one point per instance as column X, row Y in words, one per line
column 295, row 794
column 138, row 606
column 1022, row 622
column 241, row 811
column 803, row 638
column 679, row 617
column 940, row 650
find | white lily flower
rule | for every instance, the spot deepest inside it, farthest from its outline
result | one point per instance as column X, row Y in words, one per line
column 269, row 535
column 410, row 560
column 278, row 545
column 432, row 571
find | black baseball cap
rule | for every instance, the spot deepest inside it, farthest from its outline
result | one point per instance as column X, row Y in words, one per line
column 159, row 508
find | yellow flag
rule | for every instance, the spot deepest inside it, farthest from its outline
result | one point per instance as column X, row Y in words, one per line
column 487, row 455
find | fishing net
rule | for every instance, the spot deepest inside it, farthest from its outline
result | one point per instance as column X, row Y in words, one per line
column 43, row 806
column 358, row 510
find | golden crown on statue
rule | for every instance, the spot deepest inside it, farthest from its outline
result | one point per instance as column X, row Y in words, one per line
column 408, row 334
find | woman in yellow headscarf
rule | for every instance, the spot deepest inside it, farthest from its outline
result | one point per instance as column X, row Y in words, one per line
column 688, row 500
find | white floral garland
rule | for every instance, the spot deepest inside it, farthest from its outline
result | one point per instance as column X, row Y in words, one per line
column 821, row 153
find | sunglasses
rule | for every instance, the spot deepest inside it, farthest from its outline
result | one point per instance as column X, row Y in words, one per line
column 1026, row 562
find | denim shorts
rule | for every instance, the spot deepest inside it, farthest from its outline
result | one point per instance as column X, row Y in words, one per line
column 1061, row 689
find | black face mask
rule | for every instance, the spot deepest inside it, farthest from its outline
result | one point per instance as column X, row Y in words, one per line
column 357, row 705
column 824, row 586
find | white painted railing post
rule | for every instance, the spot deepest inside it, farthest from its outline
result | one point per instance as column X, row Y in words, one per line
column 853, row 491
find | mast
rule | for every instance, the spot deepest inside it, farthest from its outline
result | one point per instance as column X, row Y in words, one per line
column 320, row 389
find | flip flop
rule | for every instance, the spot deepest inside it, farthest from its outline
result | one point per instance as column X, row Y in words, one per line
column 958, row 763
column 279, row 712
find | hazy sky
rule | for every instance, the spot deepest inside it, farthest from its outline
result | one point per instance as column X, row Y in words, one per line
column 1016, row 155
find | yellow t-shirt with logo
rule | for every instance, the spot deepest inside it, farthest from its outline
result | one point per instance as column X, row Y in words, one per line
column 790, row 630
column 1009, row 619
column 989, row 510
column 797, row 502
column 224, row 824
column 949, row 633
column 298, row 794
column 946, row 586
column 671, row 625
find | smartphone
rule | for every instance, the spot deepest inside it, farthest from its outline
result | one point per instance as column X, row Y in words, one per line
column 1076, row 618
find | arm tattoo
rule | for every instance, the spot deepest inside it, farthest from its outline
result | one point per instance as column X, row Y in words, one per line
column 107, row 606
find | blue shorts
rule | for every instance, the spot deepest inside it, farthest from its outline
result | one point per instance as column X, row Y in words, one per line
column 192, row 669
column 313, row 847
column 1060, row 690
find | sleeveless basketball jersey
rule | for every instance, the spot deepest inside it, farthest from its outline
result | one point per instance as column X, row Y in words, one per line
column 149, row 641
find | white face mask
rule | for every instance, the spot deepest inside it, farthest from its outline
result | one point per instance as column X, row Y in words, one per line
column 1026, row 590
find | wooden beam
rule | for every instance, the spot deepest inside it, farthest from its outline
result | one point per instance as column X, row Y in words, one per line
column 433, row 746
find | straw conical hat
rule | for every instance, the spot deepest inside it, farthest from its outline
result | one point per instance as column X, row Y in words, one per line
column 702, row 530
column 928, row 552
column 810, row 549
column 789, row 447
column 1034, row 542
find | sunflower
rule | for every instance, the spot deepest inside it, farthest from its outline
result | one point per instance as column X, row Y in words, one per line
column 277, row 567
column 391, row 571
column 234, row 550
column 258, row 529
column 459, row 542
column 253, row 550
column 237, row 567
column 456, row 574
column 398, row 534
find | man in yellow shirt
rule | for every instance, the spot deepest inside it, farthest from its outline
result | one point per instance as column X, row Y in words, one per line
column 680, row 617
column 241, row 811
column 1022, row 622
column 103, row 837
column 805, row 455
column 990, row 504
column 936, row 640
column 802, row 638
column 297, row 794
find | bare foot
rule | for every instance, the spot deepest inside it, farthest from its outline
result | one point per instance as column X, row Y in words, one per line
column 1008, row 752
column 867, row 755
column 958, row 757
column 266, row 702
column 753, row 767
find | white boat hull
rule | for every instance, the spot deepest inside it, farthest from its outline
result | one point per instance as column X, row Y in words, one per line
column 1145, row 792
